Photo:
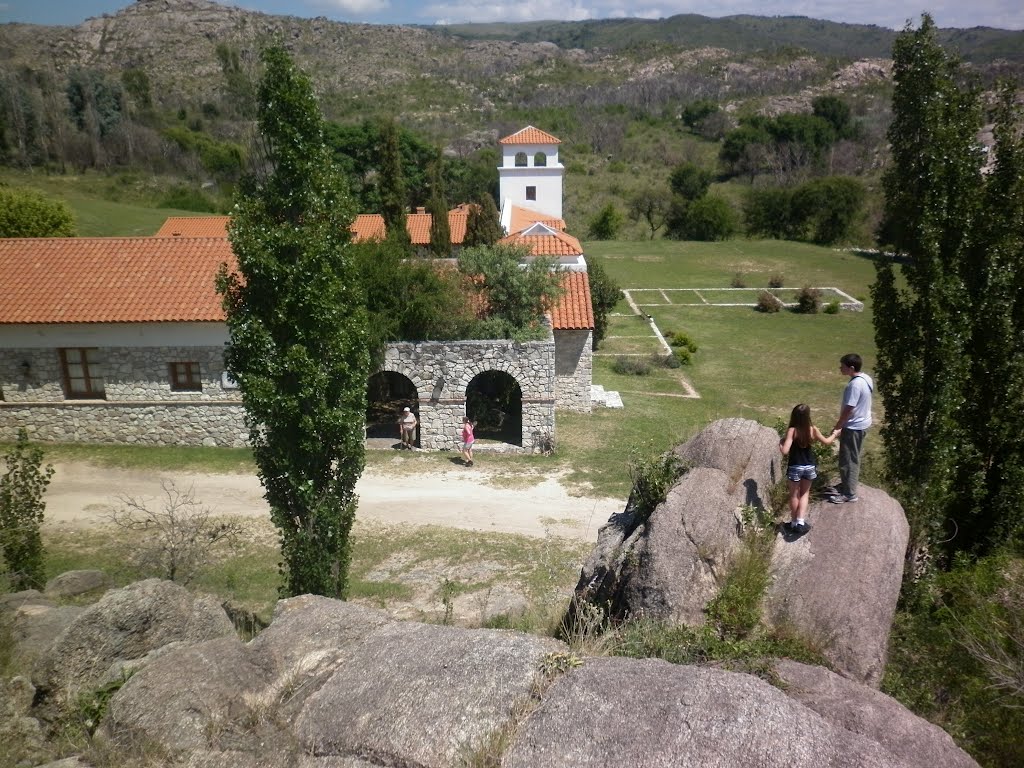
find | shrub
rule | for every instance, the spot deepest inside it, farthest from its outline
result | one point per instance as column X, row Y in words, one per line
column 27, row 213
column 666, row 361
column 832, row 308
column 778, row 280
column 606, row 223
column 808, row 301
column 738, row 280
column 652, row 478
column 711, row 218
column 631, row 366
column 186, row 199
column 768, row 302
column 683, row 355
column 21, row 514
column 682, row 340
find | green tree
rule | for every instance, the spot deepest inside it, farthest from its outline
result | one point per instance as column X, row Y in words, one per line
column 482, row 223
column 690, row 181
column 515, row 296
column 947, row 367
column 21, row 514
column 26, row 213
column 768, row 212
column 437, row 207
column 298, row 344
column 828, row 209
column 606, row 223
column 837, row 113
column 393, row 204
column 604, row 295
column 652, row 206
column 706, row 219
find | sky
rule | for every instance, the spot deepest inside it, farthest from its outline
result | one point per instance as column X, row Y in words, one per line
column 1005, row 14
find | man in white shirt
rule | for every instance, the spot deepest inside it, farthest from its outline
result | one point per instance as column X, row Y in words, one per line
column 407, row 427
column 854, row 420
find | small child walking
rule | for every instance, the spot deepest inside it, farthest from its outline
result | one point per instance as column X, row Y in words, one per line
column 802, row 468
column 467, row 441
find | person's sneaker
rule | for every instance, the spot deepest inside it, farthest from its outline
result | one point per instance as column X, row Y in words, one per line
column 788, row 526
column 842, row 498
column 799, row 529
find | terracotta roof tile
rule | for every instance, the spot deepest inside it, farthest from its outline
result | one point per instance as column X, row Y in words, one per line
column 523, row 217
column 574, row 311
column 554, row 244
column 194, row 226
column 530, row 135
column 368, row 226
column 111, row 280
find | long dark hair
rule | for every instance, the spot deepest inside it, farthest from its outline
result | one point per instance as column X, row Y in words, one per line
column 800, row 421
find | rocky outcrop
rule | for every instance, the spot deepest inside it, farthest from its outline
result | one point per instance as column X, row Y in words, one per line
column 334, row 685
column 72, row 583
column 125, row 625
column 837, row 586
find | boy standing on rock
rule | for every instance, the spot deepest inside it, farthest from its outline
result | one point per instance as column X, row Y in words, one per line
column 854, row 420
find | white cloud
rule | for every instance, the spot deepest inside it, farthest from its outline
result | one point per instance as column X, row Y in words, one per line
column 350, row 7
column 463, row 11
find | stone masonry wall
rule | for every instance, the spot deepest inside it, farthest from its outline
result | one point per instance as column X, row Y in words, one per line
column 140, row 407
column 574, row 369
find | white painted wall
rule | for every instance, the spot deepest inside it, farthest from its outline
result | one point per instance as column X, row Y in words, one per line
column 33, row 336
column 513, row 181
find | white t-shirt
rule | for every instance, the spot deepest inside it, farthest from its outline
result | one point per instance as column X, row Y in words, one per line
column 858, row 394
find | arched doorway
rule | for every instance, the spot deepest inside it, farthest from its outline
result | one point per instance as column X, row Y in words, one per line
column 387, row 394
column 494, row 400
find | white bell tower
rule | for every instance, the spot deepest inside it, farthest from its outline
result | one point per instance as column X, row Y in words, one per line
column 530, row 175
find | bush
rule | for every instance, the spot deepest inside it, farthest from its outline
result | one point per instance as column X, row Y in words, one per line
column 768, row 302
column 27, row 213
column 832, row 308
column 682, row 340
column 631, row 366
column 778, row 280
column 21, row 514
column 666, row 361
column 683, row 355
column 706, row 219
column 604, row 295
column 652, row 478
column 808, row 301
column 606, row 224
column 738, row 280
column 186, row 199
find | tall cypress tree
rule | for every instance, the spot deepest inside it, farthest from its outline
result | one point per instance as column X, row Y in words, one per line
column 298, row 338
column 392, row 184
column 437, row 207
column 950, row 394
column 483, row 224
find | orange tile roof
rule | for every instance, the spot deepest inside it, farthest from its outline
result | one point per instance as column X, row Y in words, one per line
column 111, row 279
column 368, row 226
column 523, row 217
column 194, row 226
column 554, row 244
column 574, row 311
column 530, row 135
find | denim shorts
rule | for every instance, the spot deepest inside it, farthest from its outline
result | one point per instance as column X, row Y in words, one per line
column 798, row 472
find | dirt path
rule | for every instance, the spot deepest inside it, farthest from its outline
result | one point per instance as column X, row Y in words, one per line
column 458, row 498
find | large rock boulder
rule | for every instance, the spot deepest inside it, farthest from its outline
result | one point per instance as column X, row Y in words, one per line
column 838, row 585
column 126, row 624
column 72, row 583
column 669, row 565
column 616, row 712
column 865, row 711
column 332, row 685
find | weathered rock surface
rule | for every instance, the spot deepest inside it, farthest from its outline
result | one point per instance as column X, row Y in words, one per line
column 71, row 583
column 837, row 586
column 334, row 685
column 669, row 566
column 859, row 709
column 618, row 712
column 126, row 624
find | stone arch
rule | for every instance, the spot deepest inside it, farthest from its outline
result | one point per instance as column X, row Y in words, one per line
column 387, row 393
column 494, row 400
column 520, row 160
column 540, row 159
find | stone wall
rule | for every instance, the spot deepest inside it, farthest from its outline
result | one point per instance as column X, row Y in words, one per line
column 141, row 408
column 574, row 369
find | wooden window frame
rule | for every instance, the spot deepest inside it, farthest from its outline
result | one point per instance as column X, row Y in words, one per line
column 89, row 378
column 185, row 376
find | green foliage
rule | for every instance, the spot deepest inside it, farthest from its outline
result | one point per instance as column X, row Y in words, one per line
column 739, row 280
column 832, row 308
column 96, row 103
column 952, row 386
column 606, row 223
column 187, row 199
column 777, row 280
column 652, row 479
column 393, row 204
column 26, row 213
column 409, row 299
column 605, row 293
column 823, row 211
column 483, row 225
column 221, row 159
column 21, row 514
column 440, row 230
column 631, row 366
column 768, row 212
column 515, row 295
column 650, row 205
column 836, row 113
column 689, row 181
column 696, row 111
column 808, row 301
column 955, row 656
column 708, row 219
column 298, row 333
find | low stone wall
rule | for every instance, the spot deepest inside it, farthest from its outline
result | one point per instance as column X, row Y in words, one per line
column 134, row 423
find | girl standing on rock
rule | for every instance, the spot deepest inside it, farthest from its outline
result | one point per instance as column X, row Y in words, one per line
column 802, row 468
